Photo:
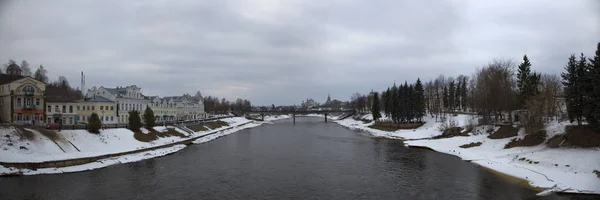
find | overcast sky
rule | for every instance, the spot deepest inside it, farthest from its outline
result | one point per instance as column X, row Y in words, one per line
column 281, row 52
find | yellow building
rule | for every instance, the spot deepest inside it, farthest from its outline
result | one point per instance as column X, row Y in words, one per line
column 164, row 109
column 21, row 98
column 105, row 108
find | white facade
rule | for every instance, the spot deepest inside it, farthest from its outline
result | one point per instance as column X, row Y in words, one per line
column 127, row 98
column 188, row 109
column 66, row 111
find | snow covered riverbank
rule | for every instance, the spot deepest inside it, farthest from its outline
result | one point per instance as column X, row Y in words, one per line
column 569, row 170
column 111, row 141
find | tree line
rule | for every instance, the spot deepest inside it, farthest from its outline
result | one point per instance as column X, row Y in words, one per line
column 582, row 89
column 499, row 93
column 223, row 106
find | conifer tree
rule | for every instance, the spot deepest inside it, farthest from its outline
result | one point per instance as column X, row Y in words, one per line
column 388, row 103
column 593, row 116
column 419, row 100
column 572, row 95
column 94, row 123
column 583, row 87
column 524, row 80
column 375, row 107
column 135, row 123
column 149, row 118
column 401, row 103
column 410, row 104
column 395, row 102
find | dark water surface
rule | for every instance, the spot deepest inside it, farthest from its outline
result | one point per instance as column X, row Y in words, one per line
column 308, row 160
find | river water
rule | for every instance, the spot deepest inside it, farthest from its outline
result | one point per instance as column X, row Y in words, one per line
column 307, row 160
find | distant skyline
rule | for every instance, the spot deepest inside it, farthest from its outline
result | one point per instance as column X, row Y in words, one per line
column 283, row 52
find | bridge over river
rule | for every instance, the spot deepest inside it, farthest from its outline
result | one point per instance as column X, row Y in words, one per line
column 344, row 113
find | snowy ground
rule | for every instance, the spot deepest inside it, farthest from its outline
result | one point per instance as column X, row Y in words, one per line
column 98, row 164
column 564, row 169
column 80, row 143
column 429, row 129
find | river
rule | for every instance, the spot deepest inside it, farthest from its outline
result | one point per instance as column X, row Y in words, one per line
column 307, row 160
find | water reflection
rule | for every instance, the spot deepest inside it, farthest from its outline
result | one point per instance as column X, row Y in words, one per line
column 309, row 160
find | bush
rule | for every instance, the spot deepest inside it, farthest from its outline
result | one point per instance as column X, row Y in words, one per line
column 447, row 124
column 135, row 123
column 94, row 123
column 149, row 118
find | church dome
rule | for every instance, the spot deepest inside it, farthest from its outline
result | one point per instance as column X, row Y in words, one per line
column 13, row 69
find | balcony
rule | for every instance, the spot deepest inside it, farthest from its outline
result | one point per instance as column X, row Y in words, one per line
column 29, row 107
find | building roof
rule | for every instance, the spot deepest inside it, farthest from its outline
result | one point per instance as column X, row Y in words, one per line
column 97, row 99
column 5, row 78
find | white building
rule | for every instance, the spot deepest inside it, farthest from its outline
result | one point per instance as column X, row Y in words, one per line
column 188, row 109
column 127, row 98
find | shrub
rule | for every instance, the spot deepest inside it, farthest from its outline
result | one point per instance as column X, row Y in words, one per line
column 94, row 123
column 447, row 124
column 135, row 123
column 149, row 119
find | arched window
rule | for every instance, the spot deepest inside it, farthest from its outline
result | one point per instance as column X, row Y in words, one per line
column 28, row 89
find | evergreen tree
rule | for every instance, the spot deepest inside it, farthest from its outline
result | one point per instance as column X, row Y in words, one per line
column 524, row 80
column 419, row 100
column 387, row 103
column 135, row 123
column 375, row 107
column 394, row 104
column 401, row 103
column 593, row 116
column 451, row 95
column 571, row 93
column 583, row 87
column 94, row 123
column 410, row 103
column 149, row 118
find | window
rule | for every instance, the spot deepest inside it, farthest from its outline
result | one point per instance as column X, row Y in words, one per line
column 93, row 108
column 88, row 107
column 70, row 109
column 28, row 102
column 55, row 108
column 112, row 107
column 49, row 109
column 77, row 107
column 28, row 89
column 106, row 118
column 19, row 117
column 112, row 118
column 37, row 101
column 18, row 101
column 101, row 107
column 64, row 110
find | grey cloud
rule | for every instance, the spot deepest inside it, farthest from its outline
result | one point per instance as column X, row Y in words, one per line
column 284, row 51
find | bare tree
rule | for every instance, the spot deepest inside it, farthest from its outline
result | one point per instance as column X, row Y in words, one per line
column 41, row 74
column 551, row 88
column 495, row 92
column 25, row 69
